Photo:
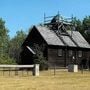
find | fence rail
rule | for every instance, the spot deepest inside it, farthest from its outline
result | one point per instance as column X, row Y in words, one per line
column 16, row 66
column 35, row 68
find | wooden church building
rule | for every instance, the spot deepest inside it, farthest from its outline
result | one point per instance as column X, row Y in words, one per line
column 62, row 44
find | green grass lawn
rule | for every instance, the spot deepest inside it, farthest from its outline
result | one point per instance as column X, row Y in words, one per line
column 63, row 80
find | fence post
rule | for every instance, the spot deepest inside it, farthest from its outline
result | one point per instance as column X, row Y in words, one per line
column 82, row 69
column 9, row 71
column 54, row 70
column 16, row 71
column 36, row 70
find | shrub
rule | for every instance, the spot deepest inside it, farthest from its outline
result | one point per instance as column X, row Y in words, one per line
column 39, row 57
column 5, row 59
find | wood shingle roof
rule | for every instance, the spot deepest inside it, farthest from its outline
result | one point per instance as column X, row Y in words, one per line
column 79, row 39
column 73, row 39
column 49, row 36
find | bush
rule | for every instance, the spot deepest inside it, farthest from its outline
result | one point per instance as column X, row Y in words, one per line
column 5, row 59
column 42, row 61
column 39, row 58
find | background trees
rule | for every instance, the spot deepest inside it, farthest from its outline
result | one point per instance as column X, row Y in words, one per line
column 10, row 48
column 4, row 38
column 86, row 27
column 83, row 26
column 4, row 44
column 15, row 45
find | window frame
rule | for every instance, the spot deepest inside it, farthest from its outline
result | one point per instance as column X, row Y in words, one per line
column 60, row 52
column 70, row 53
column 80, row 54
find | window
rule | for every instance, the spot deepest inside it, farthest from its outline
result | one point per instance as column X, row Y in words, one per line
column 70, row 52
column 59, row 52
column 79, row 53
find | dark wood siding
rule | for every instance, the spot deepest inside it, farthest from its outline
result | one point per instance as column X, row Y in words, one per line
column 34, row 38
column 65, row 59
column 54, row 59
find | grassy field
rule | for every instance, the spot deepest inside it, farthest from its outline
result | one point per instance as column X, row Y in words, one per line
column 46, row 81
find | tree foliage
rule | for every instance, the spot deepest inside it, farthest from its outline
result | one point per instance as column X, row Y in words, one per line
column 83, row 26
column 4, row 45
column 15, row 45
column 5, row 59
column 86, row 23
column 4, row 38
column 39, row 57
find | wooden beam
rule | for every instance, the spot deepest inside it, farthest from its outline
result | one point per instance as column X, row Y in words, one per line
column 16, row 66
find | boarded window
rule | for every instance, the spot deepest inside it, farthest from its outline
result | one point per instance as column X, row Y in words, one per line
column 70, row 53
column 60, row 52
column 79, row 53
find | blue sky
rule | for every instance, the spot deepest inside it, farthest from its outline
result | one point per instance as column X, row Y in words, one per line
column 22, row 14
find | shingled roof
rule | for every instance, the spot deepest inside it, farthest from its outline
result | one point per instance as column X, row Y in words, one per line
column 68, row 41
column 73, row 39
column 79, row 39
column 49, row 36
